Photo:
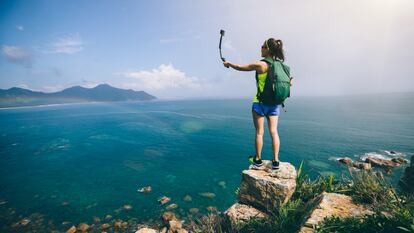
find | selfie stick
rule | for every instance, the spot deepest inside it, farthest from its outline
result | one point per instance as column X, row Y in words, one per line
column 221, row 37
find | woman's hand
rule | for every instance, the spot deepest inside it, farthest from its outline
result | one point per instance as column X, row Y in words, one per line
column 226, row 64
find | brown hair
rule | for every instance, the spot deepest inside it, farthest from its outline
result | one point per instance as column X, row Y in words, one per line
column 276, row 48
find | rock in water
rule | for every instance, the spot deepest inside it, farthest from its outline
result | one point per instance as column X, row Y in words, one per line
column 83, row 227
column 345, row 160
column 24, row 222
column 168, row 216
column 222, row 184
column 105, row 226
column 359, row 165
column 127, row 207
column 381, row 162
column 71, row 230
column 171, row 206
column 207, row 194
column 164, row 200
column 265, row 189
column 399, row 160
column 118, row 224
column 146, row 189
column 362, row 166
column 194, row 210
column 187, row 198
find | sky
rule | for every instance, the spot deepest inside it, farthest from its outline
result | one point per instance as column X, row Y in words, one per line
column 170, row 48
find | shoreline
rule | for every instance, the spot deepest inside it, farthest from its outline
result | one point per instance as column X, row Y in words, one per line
column 45, row 105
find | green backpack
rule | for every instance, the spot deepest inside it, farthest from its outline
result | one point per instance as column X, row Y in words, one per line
column 277, row 84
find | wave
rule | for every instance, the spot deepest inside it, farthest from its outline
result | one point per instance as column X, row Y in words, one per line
column 334, row 158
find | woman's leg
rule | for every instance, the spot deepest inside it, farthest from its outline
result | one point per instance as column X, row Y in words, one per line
column 272, row 122
column 259, row 126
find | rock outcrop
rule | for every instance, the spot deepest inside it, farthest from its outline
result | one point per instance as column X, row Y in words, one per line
column 332, row 204
column 384, row 162
column 359, row 165
column 72, row 229
column 239, row 214
column 261, row 192
column 373, row 162
column 265, row 189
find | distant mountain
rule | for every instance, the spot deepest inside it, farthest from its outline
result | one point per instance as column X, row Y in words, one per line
column 16, row 96
column 20, row 92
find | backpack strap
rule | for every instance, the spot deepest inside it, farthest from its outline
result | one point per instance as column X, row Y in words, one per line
column 269, row 61
column 258, row 94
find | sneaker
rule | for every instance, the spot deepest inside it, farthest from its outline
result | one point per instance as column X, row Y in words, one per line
column 256, row 163
column 275, row 165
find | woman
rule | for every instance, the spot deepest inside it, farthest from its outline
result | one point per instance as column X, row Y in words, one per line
column 274, row 49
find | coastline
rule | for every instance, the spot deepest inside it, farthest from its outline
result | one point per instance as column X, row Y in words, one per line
column 64, row 104
column 46, row 105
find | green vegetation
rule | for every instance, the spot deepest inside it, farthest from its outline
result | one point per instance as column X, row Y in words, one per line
column 400, row 220
column 392, row 212
column 290, row 216
column 210, row 223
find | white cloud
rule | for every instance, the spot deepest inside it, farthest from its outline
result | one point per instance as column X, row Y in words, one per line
column 169, row 82
column 68, row 45
column 165, row 76
column 164, row 81
column 17, row 55
column 20, row 27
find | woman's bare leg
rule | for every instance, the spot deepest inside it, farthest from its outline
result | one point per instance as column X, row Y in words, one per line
column 272, row 122
column 259, row 126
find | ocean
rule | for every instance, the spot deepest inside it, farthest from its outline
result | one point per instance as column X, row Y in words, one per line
column 72, row 163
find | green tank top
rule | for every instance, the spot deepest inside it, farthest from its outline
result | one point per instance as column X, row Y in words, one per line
column 262, row 80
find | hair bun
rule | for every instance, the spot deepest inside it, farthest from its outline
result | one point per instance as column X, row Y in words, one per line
column 275, row 47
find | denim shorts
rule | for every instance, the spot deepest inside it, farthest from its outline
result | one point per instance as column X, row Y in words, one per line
column 266, row 110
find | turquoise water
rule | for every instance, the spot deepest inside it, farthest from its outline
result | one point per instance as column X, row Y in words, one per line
column 80, row 161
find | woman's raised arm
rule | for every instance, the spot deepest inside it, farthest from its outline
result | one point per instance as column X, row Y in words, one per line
column 258, row 66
